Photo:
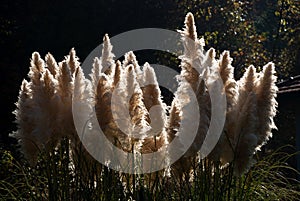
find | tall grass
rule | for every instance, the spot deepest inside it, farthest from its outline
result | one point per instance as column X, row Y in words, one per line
column 58, row 167
column 54, row 178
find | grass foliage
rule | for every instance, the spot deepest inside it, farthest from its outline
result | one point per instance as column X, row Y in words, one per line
column 56, row 177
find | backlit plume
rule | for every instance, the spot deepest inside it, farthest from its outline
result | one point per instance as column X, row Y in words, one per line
column 128, row 103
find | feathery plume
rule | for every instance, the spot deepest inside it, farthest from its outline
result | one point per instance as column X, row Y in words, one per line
column 48, row 84
column 81, row 86
column 225, row 68
column 129, row 112
column 224, row 150
column 266, row 93
column 103, row 98
column 36, row 69
column 24, row 120
column 137, row 109
column 65, row 91
column 185, row 102
column 204, row 105
column 117, row 73
column 209, row 60
column 190, row 27
column 193, row 48
column 172, row 130
column 245, row 132
column 156, row 110
column 96, row 71
column 192, row 58
column 65, row 81
column 51, row 64
column 72, row 61
column 239, row 140
column 130, row 59
column 45, row 105
column 230, row 85
column 246, row 88
column 82, row 104
column 107, row 58
column 103, row 64
column 152, row 99
column 191, row 64
column 247, row 82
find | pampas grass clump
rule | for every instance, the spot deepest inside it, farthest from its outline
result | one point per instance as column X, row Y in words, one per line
column 44, row 108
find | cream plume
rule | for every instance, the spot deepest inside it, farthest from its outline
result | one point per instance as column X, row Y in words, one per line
column 247, row 82
column 103, row 98
column 266, row 91
column 129, row 111
column 224, row 150
column 117, row 74
column 110, row 111
column 72, row 61
column 82, row 103
column 192, row 66
column 36, row 69
column 204, row 104
column 156, row 110
column 130, row 58
column 46, row 103
column 137, row 109
column 189, row 32
column 24, row 120
column 120, row 110
column 65, row 81
column 107, row 58
column 245, row 133
column 65, row 90
column 240, row 130
column 51, row 64
column 36, row 116
column 230, row 85
column 103, row 64
column 192, row 58
column 225, row 68
column 246, row 88
column 190, row 28
column 209, row 61
column 185, row 102
column 172, row 130
column 95, row 75
column 48, row 84
column 152, row 99
column 81, row 87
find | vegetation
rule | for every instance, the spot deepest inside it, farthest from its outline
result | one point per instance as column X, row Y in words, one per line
column 255, row 32
column 266, row 180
